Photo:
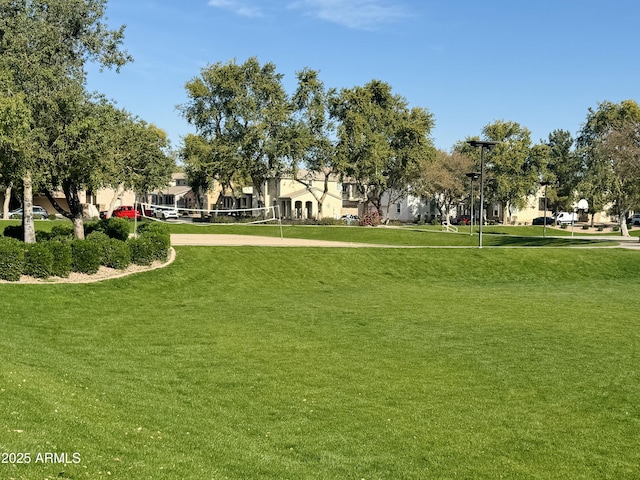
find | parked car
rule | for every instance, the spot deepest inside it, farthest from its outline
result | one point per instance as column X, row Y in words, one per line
column 634, row 220
column 541, row 221
column 566, row 217
column 166, row 213
column 38, row 213
column 461, row 220
column 126, row 211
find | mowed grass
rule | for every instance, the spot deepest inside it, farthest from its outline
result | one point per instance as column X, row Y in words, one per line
column 499, row 236
column 308, row 363
column 405, row 236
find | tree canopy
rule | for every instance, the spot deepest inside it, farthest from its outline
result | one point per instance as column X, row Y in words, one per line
column 241, row 112
column 44, row 46
column 381, row 141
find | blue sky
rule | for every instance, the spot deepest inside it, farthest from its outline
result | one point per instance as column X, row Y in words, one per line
column 540, row 63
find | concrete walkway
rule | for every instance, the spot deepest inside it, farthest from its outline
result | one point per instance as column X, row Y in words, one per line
column 256, row 241
column 221, row 240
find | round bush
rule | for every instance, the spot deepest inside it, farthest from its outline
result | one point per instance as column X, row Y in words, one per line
column 38, row 260
column 160, row 244
column 117, row 254
column 11, row 259
column 86, row 256
column 142, row 252
column 62, row 232
column 114, row 227
column 153, row 227
column 61, row 252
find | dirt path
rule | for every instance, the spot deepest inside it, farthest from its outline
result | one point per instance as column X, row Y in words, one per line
column 256, row 241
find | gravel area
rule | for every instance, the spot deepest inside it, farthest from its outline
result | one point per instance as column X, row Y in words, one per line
column 104, row 273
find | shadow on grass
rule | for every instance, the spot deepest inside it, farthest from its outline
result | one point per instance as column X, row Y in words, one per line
column 501, row 240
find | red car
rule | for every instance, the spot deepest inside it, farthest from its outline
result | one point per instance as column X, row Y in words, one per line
column 125, row 211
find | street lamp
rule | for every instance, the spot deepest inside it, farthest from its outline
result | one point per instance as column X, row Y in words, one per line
column 484, row 145
column 544, row 222
column 473, row 176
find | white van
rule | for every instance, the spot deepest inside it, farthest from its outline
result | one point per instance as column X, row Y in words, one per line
column 566, row 217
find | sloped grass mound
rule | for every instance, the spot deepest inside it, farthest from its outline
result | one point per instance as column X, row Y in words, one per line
column 333, row 363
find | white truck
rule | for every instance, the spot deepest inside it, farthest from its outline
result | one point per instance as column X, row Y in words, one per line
column 565, row 217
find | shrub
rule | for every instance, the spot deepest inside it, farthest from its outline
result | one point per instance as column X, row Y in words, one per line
column 615, row 228
column 11, row 259
column 61, row 252
column 38, row 260
column 42, row 236
column 141, row 250
column 62, row 232
column 14, row 231
column 86, row 256
column 52, row 216
column 585, row 227
column 153, row 227
column 113, row 227
column 117, row 254
column 371, row 219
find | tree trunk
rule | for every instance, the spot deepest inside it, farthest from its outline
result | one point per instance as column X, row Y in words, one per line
column 78, row 227
column 28, row 226
column 7, row 200
column 114, row 199
column 75, row 209
column 622, row 219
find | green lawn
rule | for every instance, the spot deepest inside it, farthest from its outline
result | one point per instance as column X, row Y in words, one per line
column 406, row 236
column 308, row 363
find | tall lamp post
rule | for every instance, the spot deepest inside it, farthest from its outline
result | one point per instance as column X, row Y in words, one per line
column 473, row 176
column 484, row 145
column 544, row 222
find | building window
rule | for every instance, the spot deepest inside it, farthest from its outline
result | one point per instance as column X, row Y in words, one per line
column 541, row 202
column 398, row 208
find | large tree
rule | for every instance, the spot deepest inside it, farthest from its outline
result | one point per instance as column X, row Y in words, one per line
column 444, row 180
column 312, row 144
column 381, row 140
column 44, row 45
column 240, row 111
column 95, row 145
column 562, row 171
column 513, row 168
column 606, row 145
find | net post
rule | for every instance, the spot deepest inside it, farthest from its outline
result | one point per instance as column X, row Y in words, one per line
column 135, row 218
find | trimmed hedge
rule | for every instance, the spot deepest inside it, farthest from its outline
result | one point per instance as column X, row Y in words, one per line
column 113, row 227
column 38, row 260
column 11, row 259
column 86, row 256
column 152, row 243
column 62, row 232
column 153, row 227
column 142, row 250
column 115, row 253
column 61, row 252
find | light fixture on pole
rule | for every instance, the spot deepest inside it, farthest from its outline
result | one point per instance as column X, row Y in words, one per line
column 473, row 176
column 544, row 229
column 484, row 145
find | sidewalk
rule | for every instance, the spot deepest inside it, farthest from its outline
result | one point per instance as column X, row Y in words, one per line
column 220, row 240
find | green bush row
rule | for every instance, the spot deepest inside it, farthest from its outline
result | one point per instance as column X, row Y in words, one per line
column 58, row 254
